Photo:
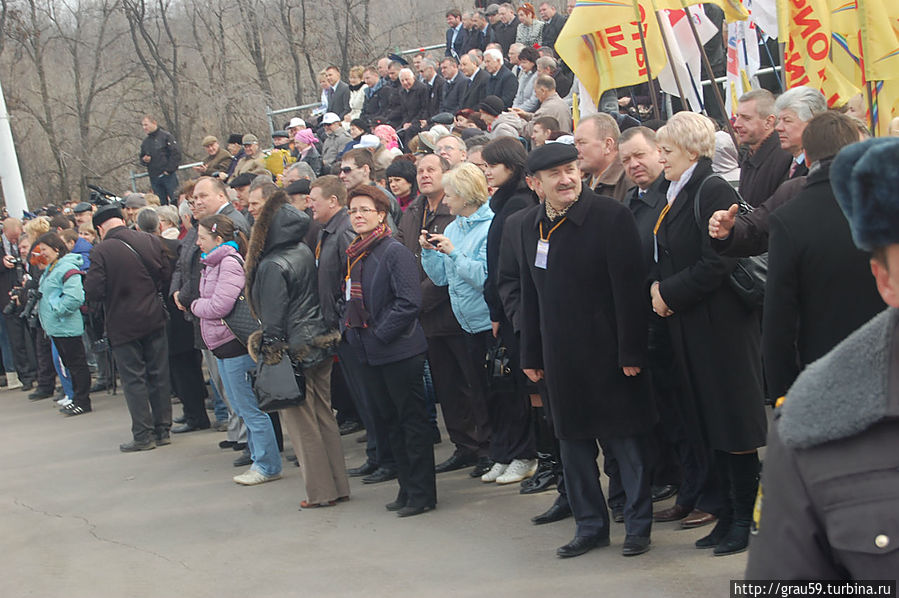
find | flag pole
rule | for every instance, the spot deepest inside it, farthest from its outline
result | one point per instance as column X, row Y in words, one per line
column 652, row 87
column 708, row 68
column 680, row 88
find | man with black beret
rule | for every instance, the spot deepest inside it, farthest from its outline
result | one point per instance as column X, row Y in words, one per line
column 129, row 275
column 828, row 499
column 241, row 186
column 584, row 328
column 83, row 213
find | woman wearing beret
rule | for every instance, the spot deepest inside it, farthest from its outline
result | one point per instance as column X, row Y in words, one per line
column 716, row 338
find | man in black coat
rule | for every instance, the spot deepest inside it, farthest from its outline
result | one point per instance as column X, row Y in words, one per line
column 454, row 87
column 477, row 87
column 434, row 82
column 553, row 23
column 160, row 153
column 584, row 326
column 819, row 286
column 129, row 274
column 764, row 165
column 506, row 29
column 481, row 35
column 502, row 83
column 413, row 96
column 377, row 98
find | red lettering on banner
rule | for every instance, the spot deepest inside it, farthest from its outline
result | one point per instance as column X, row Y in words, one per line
column 615, row 41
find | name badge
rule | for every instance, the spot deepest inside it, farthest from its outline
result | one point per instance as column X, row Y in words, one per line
column 316, row 262
column 542, row 254
column 349, row 288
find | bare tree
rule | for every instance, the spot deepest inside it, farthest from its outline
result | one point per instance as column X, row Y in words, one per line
column 249, row 13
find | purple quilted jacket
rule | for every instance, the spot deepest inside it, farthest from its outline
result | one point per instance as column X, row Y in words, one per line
column 221, row 283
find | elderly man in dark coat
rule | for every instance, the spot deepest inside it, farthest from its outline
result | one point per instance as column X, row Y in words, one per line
column 584, row 327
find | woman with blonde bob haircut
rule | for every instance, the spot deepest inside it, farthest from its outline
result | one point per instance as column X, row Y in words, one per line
column 715, row 337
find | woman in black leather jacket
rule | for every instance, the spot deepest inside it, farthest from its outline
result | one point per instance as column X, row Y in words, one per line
column 282, row 286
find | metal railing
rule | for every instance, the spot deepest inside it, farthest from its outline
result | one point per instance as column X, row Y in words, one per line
column 140, row 175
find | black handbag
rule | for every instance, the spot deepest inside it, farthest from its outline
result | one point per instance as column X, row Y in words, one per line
column 749, row 277
column 241, row 321
column 499, row 370
column 278, row 386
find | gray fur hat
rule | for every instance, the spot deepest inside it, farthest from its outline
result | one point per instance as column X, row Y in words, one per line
column 865, row 180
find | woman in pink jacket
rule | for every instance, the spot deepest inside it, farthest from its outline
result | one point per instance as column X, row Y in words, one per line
column 221, row 284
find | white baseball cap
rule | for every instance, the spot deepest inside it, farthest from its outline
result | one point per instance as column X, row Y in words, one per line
column 296, row 122
column 330, row 118
column 368, row 141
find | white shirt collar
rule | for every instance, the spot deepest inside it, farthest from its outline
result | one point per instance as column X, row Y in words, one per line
column 677, row 186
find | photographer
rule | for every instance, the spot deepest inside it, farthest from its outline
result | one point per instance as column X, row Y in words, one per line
column 13, row 332
column 43, row 349
column 60, row 297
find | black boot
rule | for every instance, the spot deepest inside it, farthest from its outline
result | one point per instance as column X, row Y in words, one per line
column 725, row 516
column 744, row 480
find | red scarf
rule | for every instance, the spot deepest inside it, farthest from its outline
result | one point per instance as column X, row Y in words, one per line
column 356, row 314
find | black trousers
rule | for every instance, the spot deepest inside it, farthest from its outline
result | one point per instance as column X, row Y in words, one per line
column 377, row 447
column 584, row 492
column 460, row 394
column 189, row 385
column 509, row 409
column 22, row 344
column 144, row 368
column 341, row 399
column 46, row 373
column 71, row 351
column 397, row 391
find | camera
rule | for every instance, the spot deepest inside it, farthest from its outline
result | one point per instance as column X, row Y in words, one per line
column 29, row 312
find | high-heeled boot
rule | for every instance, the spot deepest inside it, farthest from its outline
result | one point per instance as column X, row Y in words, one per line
column 744, row 479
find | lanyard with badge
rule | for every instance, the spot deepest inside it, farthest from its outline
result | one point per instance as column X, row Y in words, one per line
column 543, row 245
column 348, row 282
column 655, row 233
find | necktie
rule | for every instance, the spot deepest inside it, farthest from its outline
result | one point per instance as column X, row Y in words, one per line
column 793, row 168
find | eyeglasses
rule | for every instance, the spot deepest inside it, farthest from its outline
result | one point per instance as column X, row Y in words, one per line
column 347, row 169
column 363, row 211
column 447, row 148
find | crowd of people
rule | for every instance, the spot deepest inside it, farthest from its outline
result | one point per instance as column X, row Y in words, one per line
column 457, row 241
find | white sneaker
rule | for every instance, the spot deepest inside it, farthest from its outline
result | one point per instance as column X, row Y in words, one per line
column 12, row 381
column 65, row 400
column 495, row 471
column 519, row 469
column 253, row 477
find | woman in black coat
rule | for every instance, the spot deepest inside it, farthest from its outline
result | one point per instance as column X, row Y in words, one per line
column 282, row 287
column 716, row 339
column 512, row 441
column 383, row 299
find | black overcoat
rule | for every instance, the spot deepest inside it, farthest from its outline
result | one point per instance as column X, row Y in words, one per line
column 716, row 339
column 584, row 317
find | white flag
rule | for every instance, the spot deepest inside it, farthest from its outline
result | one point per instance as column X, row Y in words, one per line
column 764, row 14
column 742, row 62
column 685, row 54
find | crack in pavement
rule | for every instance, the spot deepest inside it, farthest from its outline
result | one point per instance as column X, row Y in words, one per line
column 91, row 529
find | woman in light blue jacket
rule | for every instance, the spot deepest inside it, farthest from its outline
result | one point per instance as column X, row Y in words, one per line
column 458, row 257
column 59, row 309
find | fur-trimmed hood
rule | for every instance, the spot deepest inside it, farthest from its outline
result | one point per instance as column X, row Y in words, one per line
column 279, row 224
column 272, row 353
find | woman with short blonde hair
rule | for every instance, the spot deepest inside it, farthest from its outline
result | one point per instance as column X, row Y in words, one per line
column 715, row 337
column 467, row 182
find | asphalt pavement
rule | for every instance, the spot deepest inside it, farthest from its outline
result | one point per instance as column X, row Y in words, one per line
column 81, row 519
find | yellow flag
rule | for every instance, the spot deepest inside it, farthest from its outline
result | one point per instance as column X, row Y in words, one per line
column 887, row 105
column 879, row 24
column 601, row 44
column 846, row 49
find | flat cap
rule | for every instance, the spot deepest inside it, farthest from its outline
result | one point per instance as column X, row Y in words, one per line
column 864, row 179
column 300, row 187
column 242, row 180
column 135, row 200
column 105, row 213
column 209, row 140
column 492, row 105
column 82, row 207
column 443, row 118
column 248, row 139
column 550, row 156
column 280, row 134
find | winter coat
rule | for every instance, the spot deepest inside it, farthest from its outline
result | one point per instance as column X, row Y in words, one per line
column 125, row 286
column 762, row 172
column 507, row 124
column 165, row 155
column 333, row 239
column 464, row 271
column 829, row 488
column 477, row 89
column 334, row 142
column 221, row 284
column 524, row 97
column 392, row 297
column 436, row 316
column 530, row 35
column 820, row 287
column 62, row 297
column 552, row 28
column 502, row 84
column 452, row 93
column 507, row 200
column 282, row 286
column 217, row 163
column 716, row 339
column 357, row 100
column 415, row 103
column 584, row 318
column 314, row 160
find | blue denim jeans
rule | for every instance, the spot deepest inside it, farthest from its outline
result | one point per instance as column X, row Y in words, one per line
column 260, row 433
column 166, row 187
column 9, row 365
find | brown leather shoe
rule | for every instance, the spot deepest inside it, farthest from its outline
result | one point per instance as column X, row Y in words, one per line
column 697, row 518
column 675, row 513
